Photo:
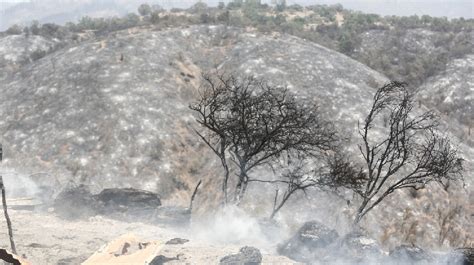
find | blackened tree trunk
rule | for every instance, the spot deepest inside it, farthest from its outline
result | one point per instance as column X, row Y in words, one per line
column 7, row 217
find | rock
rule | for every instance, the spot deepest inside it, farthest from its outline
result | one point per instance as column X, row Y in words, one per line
column 316, row 242
column 128, row 199
column 358, row 248
column 411, row 255
column 468, row 254
column 75, row 202
column 246, row 256
column 316, row 235
column 125, row 204
column 9, row 258
column 460, row 256
column 160, row 260
column 307, row 242
column 176, row 241
column 172, row 215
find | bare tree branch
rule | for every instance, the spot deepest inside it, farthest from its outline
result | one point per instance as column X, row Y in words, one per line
column 410, row 155
column 255, row 122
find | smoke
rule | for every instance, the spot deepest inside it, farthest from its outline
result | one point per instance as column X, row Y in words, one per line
column 229, row 225
column 240, row 226
column 19, row 185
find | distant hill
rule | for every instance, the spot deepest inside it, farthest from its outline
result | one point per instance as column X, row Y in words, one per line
column 409, row 49
column 62, row 11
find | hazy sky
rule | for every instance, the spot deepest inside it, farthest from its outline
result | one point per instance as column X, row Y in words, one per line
column 448, row 8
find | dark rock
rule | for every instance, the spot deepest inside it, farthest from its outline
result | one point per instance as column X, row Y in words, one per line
column 124, row 204
column 117, row 199
column 460, row 256
column 8, row 258
column 411, row 255
column 468, row 254
column 75, row 202
column 159, row 260
column 127, row 204
column 246, row 256
column 316, row 235
column 176, row 241
column 316, row 242
column 306, row 243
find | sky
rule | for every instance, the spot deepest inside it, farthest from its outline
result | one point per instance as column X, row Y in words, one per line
column 438, row 8
column 60, row 11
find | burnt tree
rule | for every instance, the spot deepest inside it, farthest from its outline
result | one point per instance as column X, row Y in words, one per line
column 249, row 123
column 410, row 153
column 5, row 208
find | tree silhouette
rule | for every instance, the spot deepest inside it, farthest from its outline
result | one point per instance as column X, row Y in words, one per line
column 410, row 153
column 250, row 123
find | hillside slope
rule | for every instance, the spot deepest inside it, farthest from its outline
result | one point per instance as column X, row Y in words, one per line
column 115, row 111
column 452, row 93
column 18, row 50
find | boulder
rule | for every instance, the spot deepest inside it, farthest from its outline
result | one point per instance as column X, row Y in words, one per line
column 308, row 242
column 75, row 202
column 125, row 204
column 468, row 254
column 125, row 199
column 128, row 204
column 411, row 255
column 246, row 256
column 162, row 259
column 358, row 248
column 176, row 241
column 460, row 256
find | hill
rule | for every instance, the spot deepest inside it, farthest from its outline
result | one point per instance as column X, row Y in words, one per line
column 116, row 107
column 112, row 111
